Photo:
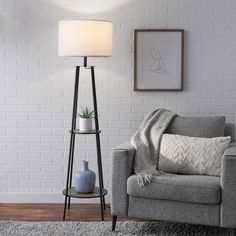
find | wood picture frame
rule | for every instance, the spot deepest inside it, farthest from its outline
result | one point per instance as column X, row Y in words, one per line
column 158, row 59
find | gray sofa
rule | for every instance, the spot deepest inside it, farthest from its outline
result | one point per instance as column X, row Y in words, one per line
column 194, row 199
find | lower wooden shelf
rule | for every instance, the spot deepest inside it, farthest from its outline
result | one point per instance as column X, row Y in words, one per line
column 94, row 194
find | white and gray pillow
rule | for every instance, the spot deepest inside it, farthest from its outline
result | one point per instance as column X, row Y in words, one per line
column 192, row 155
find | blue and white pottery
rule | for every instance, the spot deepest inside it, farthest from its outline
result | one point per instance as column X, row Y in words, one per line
column 85, row 179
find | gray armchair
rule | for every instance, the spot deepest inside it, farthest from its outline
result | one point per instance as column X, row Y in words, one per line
column 194, row 199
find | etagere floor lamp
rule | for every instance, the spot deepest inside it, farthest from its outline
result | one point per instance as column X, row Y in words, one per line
column 84, row 38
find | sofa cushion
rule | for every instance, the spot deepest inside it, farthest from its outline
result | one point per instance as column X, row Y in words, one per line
column 230, row 131
column 185, row 188
column 207, row 127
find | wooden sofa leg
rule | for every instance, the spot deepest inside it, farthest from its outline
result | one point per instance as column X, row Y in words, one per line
column 114, row 218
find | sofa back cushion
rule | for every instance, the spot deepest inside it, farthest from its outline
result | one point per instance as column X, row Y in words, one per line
column 230, row 131
column 206, row 127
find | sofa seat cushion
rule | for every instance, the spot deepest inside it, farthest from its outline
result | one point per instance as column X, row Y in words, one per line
column 184, row 188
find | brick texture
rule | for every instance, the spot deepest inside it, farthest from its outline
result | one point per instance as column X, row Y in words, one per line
column 36, row 85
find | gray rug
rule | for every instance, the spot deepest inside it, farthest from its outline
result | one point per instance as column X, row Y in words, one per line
column 20, row 228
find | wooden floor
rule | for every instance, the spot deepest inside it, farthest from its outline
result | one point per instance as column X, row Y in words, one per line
column 53, row 212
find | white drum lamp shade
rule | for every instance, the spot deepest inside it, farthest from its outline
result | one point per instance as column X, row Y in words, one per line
column 85, row 38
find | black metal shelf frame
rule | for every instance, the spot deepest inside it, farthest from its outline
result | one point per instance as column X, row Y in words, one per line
column 72, row 140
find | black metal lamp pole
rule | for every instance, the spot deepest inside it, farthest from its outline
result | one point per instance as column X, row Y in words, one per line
column 72, row 140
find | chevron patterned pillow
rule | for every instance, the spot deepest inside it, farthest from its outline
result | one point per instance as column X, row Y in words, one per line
column 192, row 155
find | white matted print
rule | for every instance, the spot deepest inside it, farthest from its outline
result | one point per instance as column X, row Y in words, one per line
column 158, row 60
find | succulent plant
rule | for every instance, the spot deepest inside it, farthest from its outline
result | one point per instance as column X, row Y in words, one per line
column 86, row 113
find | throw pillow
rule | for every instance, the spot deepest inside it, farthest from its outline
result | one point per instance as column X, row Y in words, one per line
column 192, row 155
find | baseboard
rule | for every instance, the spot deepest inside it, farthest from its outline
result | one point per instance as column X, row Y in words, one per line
column 43, row 198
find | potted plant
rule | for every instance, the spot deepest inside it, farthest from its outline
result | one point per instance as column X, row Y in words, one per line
column 85, row 119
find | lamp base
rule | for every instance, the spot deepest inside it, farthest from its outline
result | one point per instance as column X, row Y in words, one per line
column 72, row 142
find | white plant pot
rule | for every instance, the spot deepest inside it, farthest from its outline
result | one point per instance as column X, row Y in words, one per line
column 85, row 124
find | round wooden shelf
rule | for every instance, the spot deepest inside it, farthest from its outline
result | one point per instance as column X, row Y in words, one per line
column 77, row 131
column 95, row 194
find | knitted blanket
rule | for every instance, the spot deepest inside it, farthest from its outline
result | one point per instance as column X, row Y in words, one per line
column 146, row 141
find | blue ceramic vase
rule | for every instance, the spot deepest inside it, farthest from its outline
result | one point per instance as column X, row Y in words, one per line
column 85, row 179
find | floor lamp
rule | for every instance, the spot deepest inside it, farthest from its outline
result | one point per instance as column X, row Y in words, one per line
column 84, row 38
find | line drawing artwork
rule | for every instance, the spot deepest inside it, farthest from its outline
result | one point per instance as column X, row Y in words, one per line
column 157, row 65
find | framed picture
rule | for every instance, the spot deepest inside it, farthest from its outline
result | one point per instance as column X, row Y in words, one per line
column 158, row 59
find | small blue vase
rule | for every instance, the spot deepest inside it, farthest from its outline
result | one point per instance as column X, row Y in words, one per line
column 85, row 179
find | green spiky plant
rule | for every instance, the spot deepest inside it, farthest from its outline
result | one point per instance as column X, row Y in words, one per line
column 86, row 113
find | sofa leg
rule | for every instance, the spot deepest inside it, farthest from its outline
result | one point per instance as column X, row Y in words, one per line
column 114, row 218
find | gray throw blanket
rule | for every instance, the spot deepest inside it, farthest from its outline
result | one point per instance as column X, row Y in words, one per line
column 146, row 141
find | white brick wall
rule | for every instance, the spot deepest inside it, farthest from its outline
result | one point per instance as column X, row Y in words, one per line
column 36, row 85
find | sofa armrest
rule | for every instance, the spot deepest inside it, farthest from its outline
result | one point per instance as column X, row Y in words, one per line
column 122, row 162
column 228, row 186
